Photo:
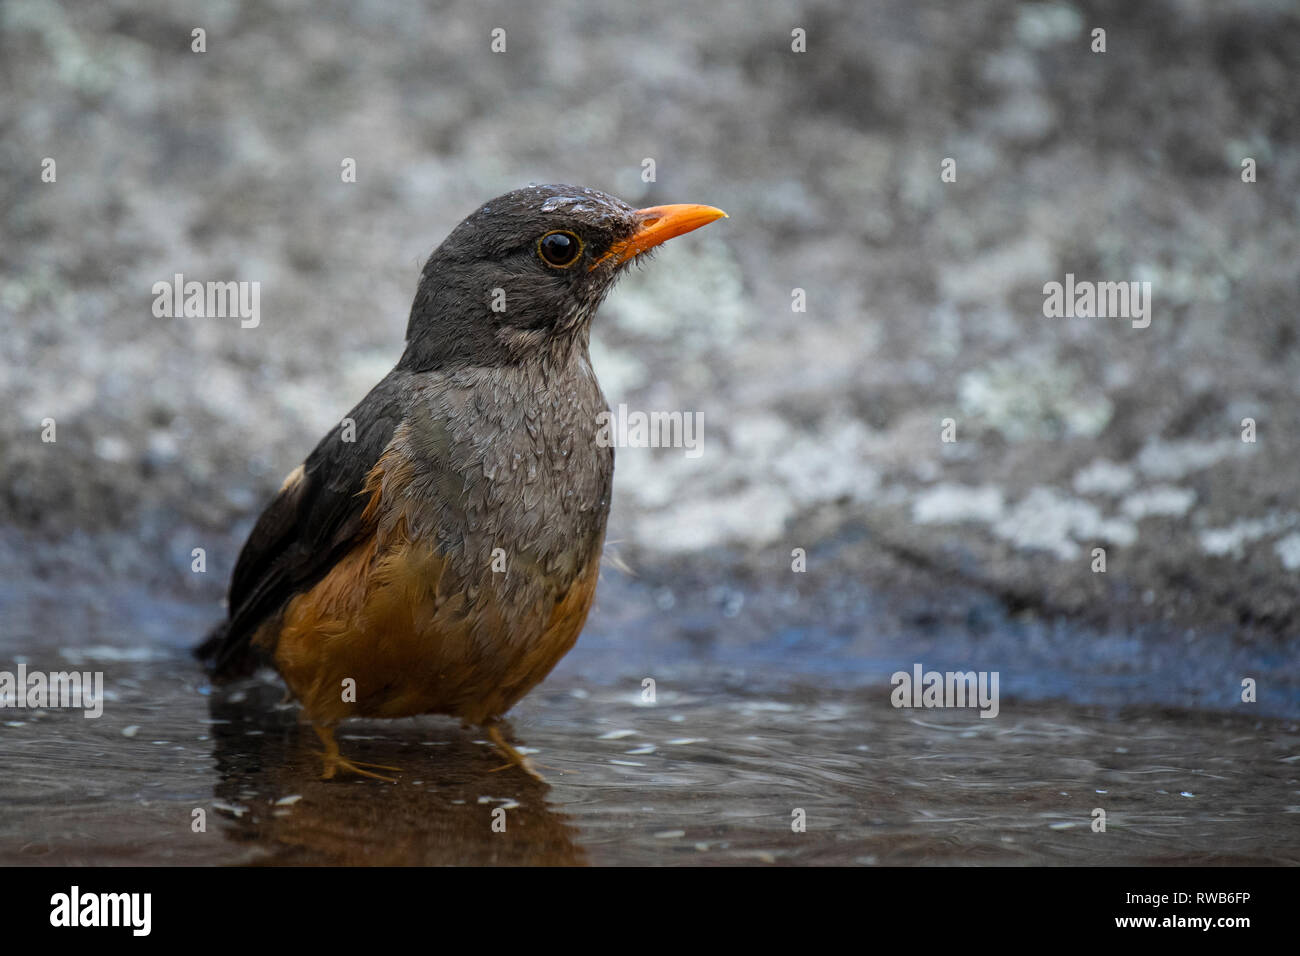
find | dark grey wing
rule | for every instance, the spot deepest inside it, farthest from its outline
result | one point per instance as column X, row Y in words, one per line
column 311, row 524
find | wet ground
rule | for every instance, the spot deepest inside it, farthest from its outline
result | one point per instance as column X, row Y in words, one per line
column 713, row 771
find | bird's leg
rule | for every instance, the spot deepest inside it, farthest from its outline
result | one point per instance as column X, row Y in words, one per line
column 335, row 761
column 510, row 753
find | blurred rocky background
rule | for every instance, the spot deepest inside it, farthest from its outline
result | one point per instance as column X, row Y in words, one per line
column 822, row 428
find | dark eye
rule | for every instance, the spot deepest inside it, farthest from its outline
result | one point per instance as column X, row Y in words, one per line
column 559, row 249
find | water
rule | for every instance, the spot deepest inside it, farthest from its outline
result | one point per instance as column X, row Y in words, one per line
column 769, row 700
column 712, row 772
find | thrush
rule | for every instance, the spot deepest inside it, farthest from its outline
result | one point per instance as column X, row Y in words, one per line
column 438, row 551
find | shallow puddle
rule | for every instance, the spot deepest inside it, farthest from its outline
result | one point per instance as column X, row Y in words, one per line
column 715, row 771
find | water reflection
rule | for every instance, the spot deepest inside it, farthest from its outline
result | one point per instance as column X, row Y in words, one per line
column 443, row 810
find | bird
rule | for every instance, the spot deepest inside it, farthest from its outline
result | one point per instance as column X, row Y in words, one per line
column 438, row 551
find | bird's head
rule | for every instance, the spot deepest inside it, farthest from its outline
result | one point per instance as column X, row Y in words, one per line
column 525, row 273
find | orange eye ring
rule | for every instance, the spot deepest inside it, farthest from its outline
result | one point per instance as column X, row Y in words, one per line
column 559, row 249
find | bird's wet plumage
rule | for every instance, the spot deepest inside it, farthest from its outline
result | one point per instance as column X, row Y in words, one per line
column 446, row 558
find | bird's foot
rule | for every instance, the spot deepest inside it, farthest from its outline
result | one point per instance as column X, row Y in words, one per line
column 511, row 754
column 335, row 761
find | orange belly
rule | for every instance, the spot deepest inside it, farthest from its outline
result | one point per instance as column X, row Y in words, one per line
column 386, row 637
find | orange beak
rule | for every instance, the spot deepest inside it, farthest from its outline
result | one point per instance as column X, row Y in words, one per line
column 659, row 224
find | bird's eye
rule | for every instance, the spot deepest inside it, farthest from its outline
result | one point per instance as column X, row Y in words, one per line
column 559, row 249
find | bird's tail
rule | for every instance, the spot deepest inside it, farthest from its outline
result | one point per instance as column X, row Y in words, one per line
column 208, row 650
column 225, row 659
